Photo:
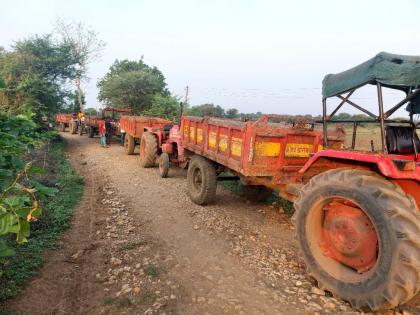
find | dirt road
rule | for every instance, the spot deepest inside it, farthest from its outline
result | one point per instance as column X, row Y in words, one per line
column 138, row 245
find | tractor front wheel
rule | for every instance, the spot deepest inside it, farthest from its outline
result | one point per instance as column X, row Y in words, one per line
column 91, row 132
column 129, row 144
column 164, row 165
column 358, row 233
column 201, row 180
column 148, row 150
column 73, row 127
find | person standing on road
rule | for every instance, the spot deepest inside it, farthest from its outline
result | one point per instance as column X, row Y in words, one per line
column 122, row 139
column 102, row 132
column 108, row 128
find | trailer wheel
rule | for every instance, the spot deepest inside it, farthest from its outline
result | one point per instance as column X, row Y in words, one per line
column 256, row 193
column 148, row 150
column 359, row 236
column 164, row 165
column 91, row 132
column 62, row 127
column 73, row 127
column 129, row 144
column 201, row 180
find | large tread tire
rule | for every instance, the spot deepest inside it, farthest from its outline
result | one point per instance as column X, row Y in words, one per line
column 129, row 144
column 91, row 132
column 148, row 150
column 62, row 127
column 256, row 193
column 205, row 192
column 396, row 217
column 164, row 165
column 73, row 127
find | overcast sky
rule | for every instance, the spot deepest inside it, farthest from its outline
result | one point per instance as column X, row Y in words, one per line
column 267, row 56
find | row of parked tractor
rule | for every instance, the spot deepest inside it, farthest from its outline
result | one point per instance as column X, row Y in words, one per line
column 356, row 212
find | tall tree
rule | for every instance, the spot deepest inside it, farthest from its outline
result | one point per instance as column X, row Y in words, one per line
column 164, row 106
column 232, row 113
column 207, row 110
column 86, row 47
column 35, row 76
column 133, row 84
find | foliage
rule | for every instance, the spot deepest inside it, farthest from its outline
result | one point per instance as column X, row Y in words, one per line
column 86, row 47
column 131, row 84
column 212, row 110
column 251, row 116
column 56, row 216
column 346, row 116
column 18, row 190
column 206, row 110
column 35, row 74
column 74, row 103
column 232, row 113
column 91, row 111
column 164, row 106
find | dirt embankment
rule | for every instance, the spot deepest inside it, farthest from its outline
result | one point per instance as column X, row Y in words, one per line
column 138, row 245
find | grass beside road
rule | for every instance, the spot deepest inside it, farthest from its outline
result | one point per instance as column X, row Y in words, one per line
column 56, row 216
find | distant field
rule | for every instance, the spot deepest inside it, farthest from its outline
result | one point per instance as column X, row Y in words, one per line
column 364, row 136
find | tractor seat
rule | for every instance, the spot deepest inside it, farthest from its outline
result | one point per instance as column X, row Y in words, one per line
column 399, row 140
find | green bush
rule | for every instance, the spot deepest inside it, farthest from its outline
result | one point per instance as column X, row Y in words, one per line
column 56, row 216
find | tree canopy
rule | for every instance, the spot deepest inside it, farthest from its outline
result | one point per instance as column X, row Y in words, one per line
column 34, row 76
column 206, row 110
column 132, row 84
column 164, row 106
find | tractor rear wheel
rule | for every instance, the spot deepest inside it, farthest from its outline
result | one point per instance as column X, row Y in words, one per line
column 129, row 144
column 62, row 127
column 73, row 127
column 90, row 132
column 256, row 193
column 201, row 180
column 358, row 233
column 148, row 150
column 164, row 165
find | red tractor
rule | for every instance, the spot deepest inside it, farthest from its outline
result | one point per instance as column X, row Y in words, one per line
column 92, row 123
column 356, row 212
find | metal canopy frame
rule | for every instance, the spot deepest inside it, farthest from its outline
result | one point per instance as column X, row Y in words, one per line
column 382, row 118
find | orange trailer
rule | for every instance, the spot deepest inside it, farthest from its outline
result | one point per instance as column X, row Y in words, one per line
column 268, row 152
column 64, row 120
column 136, row 126
column 357, row 211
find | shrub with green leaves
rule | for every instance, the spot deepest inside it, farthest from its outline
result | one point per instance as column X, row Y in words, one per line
column 18, row 190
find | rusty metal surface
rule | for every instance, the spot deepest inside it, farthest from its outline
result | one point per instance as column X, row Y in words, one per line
column 64, row 118
column 262, row 150
column 348, row 236
column 136, row 125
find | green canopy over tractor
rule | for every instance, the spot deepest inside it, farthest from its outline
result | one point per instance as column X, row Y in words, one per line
column 390, row 70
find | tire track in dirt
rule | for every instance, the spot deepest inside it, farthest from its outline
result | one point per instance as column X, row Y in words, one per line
column 65, row 283
column 228, row 258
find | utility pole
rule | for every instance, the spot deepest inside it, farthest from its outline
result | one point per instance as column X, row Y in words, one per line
column 186, row 94
column 182, row 104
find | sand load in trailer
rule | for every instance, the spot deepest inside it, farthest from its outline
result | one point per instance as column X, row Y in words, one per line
column 264, row 152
